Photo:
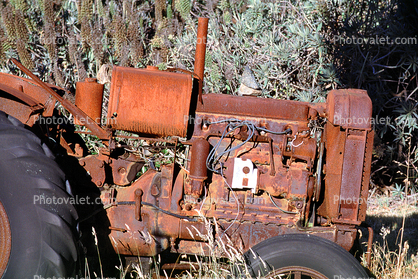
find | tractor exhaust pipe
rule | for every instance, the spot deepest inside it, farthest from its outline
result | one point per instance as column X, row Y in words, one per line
column 199, row 62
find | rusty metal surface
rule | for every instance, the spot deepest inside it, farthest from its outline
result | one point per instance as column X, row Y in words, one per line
column 149, row 101
column 349, row 108
column 369, row 246
column 347, row 160
column 23, row 100
column 352, row 175
column 279, row 205
column 198, row 171
column 33, row 91
column 19, row 94
column 253, row 107
column 334, row 145
column 281, row 202
column 366, row 176
column 88, row 97
column 5, row 239
column 199, row 63
column 95, row 167
column 18, row 110
column 75, row 111
column 249, row 234
column 125, row 168
column 257, row 220
column 292, row 182
column 120, row 171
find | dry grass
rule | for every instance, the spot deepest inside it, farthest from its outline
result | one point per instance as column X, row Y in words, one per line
column 394, row 220
column 394, row 252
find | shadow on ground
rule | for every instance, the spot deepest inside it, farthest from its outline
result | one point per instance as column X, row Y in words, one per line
column 388, row 230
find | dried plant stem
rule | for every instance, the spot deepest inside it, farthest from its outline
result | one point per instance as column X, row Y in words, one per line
column 400, row 256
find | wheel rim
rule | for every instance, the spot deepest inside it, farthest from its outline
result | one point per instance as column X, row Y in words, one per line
column 296, row 272
column 5, row 240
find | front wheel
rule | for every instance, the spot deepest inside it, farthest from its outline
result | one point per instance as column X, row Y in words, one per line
column 302, row 256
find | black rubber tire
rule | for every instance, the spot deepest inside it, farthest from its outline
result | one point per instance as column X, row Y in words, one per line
column 42, row 233
column 306, row 251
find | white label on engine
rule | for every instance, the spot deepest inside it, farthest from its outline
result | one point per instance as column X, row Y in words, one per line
column 245, row 175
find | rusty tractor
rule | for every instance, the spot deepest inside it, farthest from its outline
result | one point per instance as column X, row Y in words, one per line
column 284, row 182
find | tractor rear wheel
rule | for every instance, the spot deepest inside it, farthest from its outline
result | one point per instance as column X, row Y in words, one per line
column 37, row 219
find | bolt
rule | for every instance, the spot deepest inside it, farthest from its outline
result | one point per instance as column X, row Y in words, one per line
column 99, row 183
column 188, row 207
column 154, row 190
column 299, row 205
column 262, row 133
column 246, row 170
column 122, row 170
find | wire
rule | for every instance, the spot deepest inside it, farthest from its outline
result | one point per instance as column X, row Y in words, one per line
column 285, row 132
column 282, row 210
column 170, row 213
column 214, row 157
column 143, row 203
column 159, row 209
column 297, row 145
column 235, row 197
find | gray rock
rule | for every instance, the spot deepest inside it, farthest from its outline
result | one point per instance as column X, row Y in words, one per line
column 248, row 79
column 245, row 90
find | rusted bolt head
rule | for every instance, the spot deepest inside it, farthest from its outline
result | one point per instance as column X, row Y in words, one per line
column 299, row 204
column 246, row 170
column 138, row 192
column 154, row 190
column 122, row 170
column 188, row 207
column 99, row 183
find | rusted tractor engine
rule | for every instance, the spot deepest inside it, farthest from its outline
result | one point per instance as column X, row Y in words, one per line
column 286, row 181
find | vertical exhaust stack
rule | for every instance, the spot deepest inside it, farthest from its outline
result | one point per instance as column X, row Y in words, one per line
column 199, row 62
column 200, row 147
